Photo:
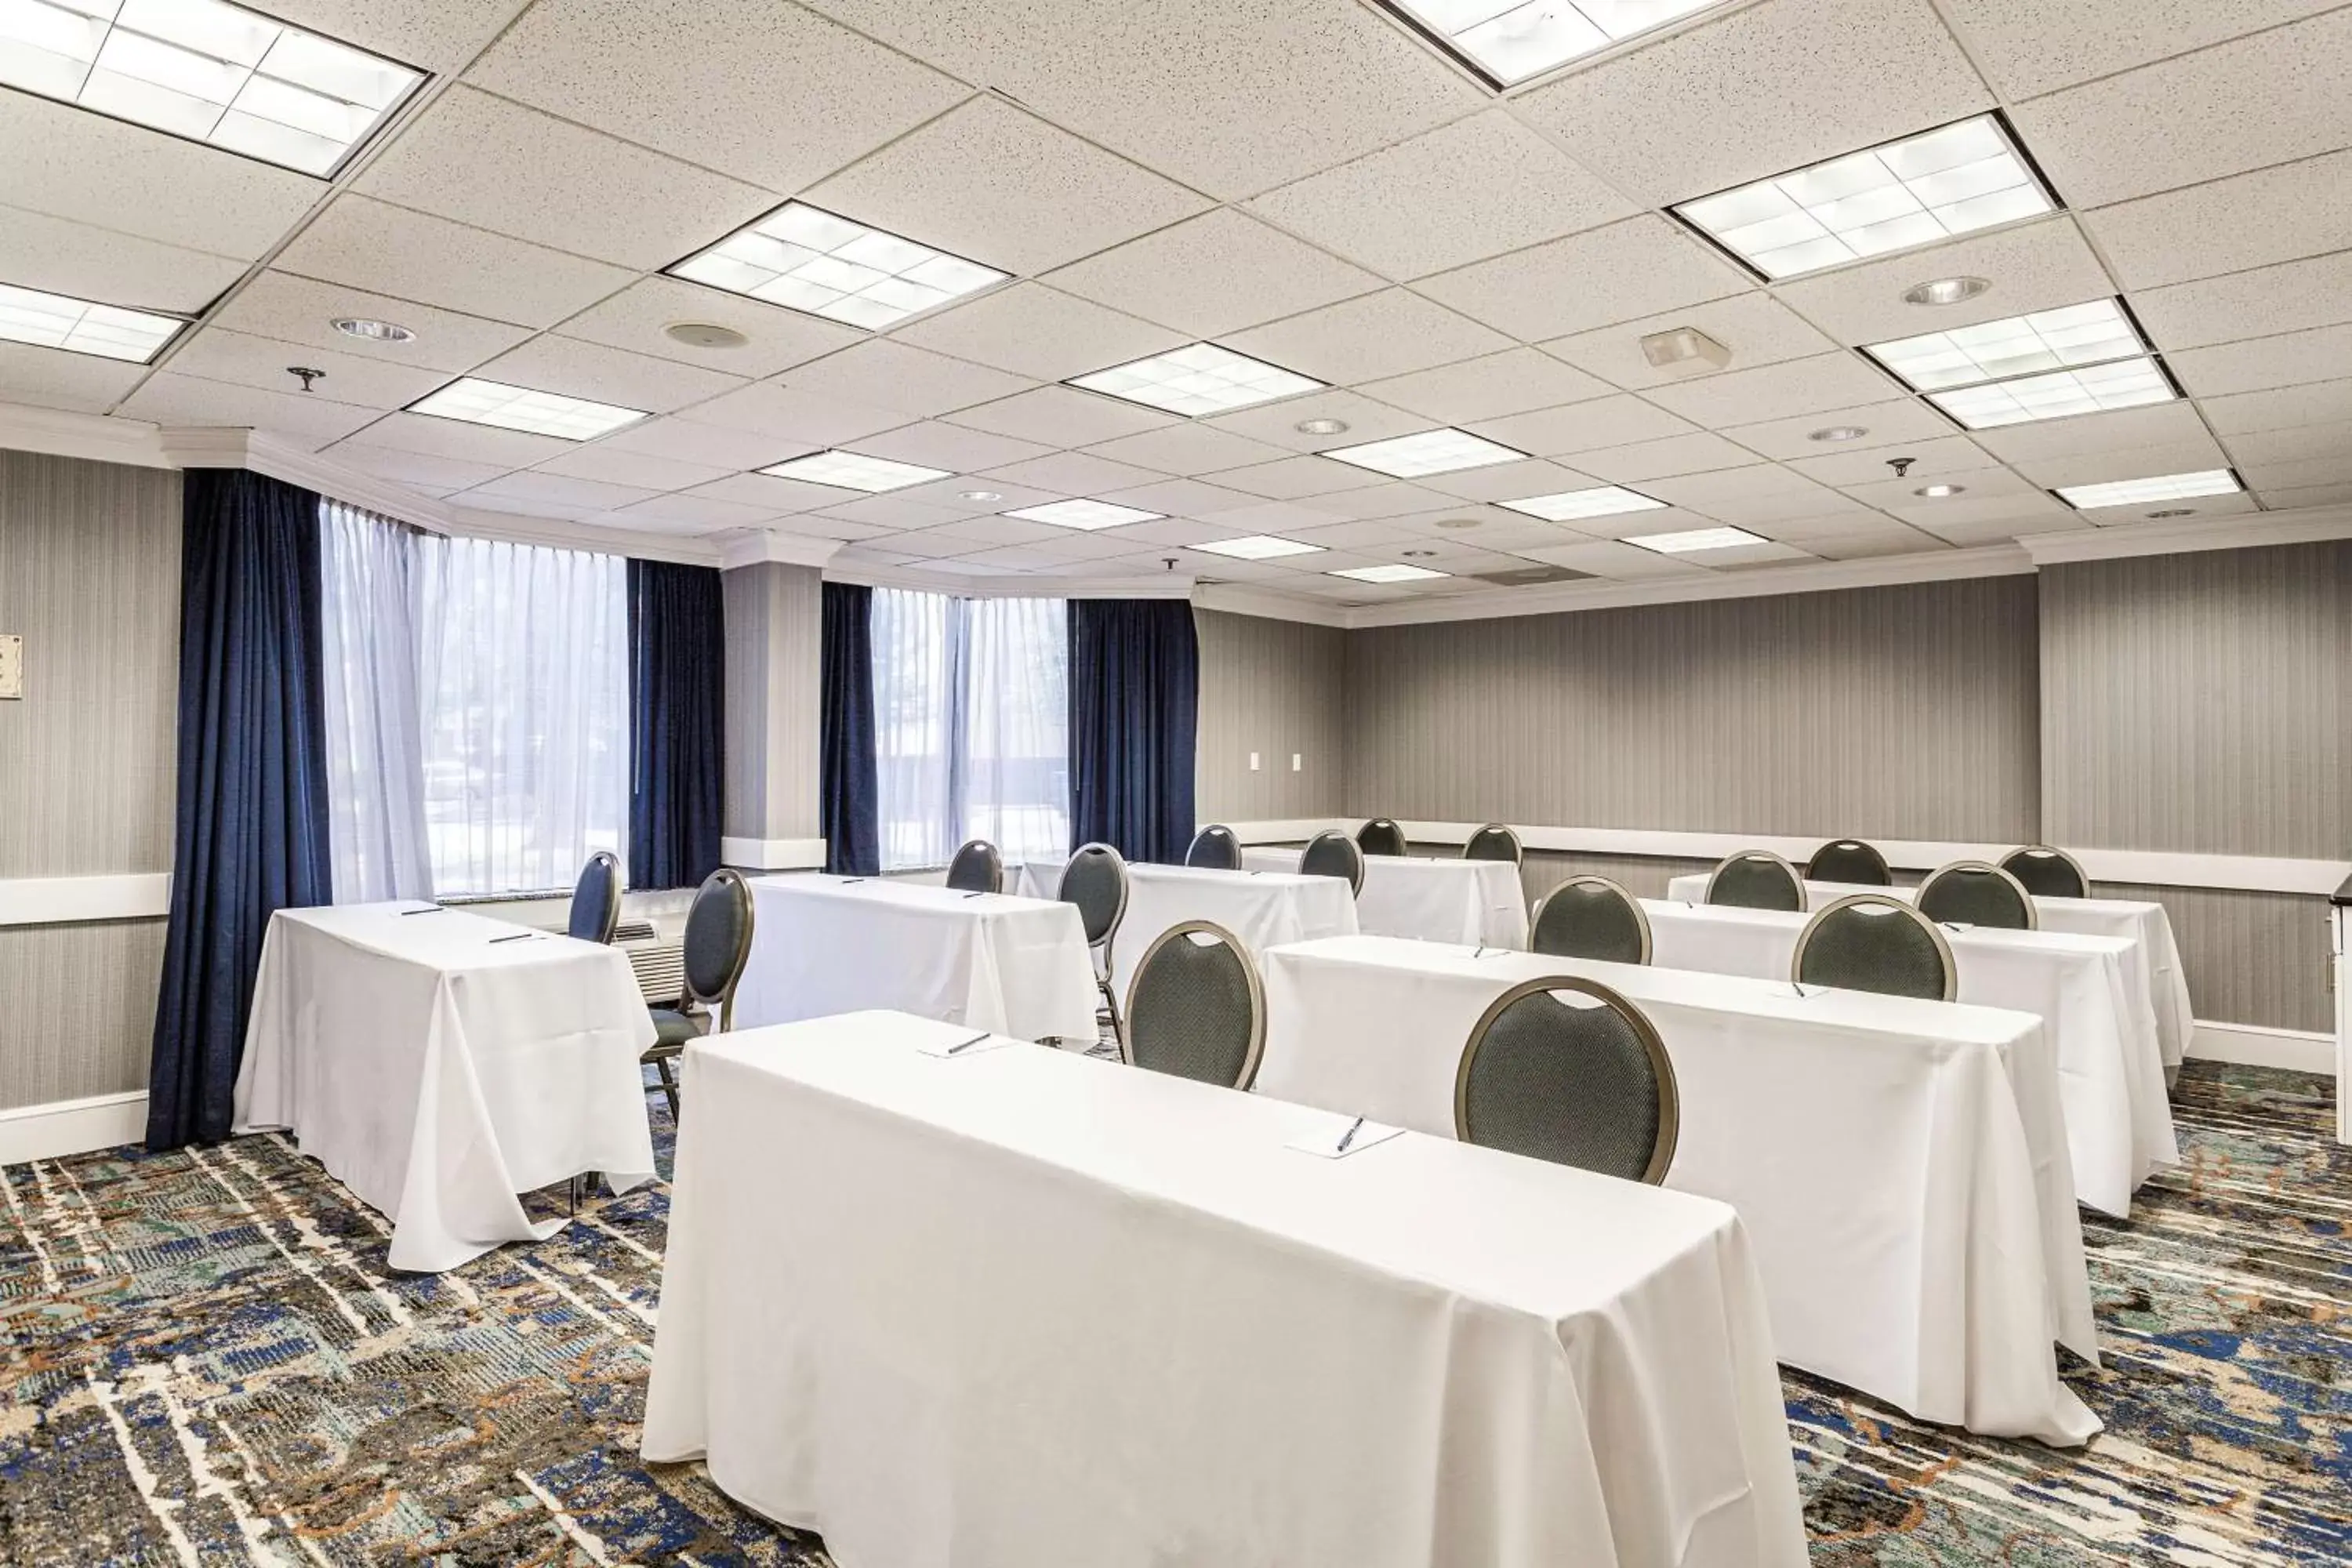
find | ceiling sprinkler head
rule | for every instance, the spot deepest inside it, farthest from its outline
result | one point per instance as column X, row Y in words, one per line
column 306, row 373
column 1901, row 466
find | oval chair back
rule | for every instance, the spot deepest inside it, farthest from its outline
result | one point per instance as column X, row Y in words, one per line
column 596, row 899
column 1977, row 893
column 1494, row 842
column 1848, row 860
column 1196, row 1007
column 1216, row 849
column 1757, row 879
column 1568, row 1070
column 1332, row 853
column 977, row 868
column 1869, row 941
column 1591, row 917
column 1096, row 881
column 717, row 942
column 2047, row 873
column 1381, row 836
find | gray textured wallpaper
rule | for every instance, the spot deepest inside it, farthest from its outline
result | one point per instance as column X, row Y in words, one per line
column 1278, row 688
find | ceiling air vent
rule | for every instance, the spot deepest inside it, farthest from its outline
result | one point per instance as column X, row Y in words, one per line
column 1530, row 576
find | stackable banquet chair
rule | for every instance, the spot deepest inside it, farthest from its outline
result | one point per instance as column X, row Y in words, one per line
column 977, row 868
column 1591, row 917
column 1848, row 860
column 1869, row 941
column 1756, row 880
column 718, row 946
column 1977, row 892
column 1381, row 836
column 1568, row 1070
column 1096, row 881
column 1332, row 853
column 1215, row 848
column 596, row 899
column 1196, row 1008
column 2047, row 873
column 1494, row 842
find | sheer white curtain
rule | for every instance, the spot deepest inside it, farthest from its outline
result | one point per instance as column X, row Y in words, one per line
column 916, row 642
column 524, row 698
column 376, row 771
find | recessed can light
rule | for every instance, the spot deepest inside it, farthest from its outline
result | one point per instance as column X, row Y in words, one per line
column 981, row 495
column 374, row 331
column 1321, row 426
column 704, row 335
column 1839, row 433
column 1945, row 291
column 1938, row 492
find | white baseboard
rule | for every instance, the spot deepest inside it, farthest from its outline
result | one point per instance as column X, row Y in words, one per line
column 60, row 900
column 72, row 1126
column 2251, row 1045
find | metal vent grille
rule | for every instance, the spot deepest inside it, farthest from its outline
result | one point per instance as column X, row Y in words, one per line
column 660, row 961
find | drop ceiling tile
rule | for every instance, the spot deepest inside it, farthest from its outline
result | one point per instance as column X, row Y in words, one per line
column 419, row 471
column 772, row 94
column 937, row 445
column 2290, row 498
column 1297, row 478
column 2269, row 449
column 983, row 532
column 217, row 354
column 1172, row 530
column 713, row 446
column 2241, row 105
column 1373, row 535
column 1639, row 268
column 579, row 369
column 948, row 495
column 1747, row 94
column 414, row 256
column 1517, row 380
column 1851, row 518
column 2028, row 48
column 70, row 162
column 1365, row 338
column 1758, row 330
column 1617, row 421
column 1770, row 553
column 796, row 419
column 890, row 511
column 772, row 496
column 930, row 544
column 1760, row 490
column 62, row 256
column 1276, row 423
column 302, row 310
column 1278, row 517
column 1931, row 460
column 1213, row 274
column 643, row 470
column 1181, row 498
column 2290, row 297
column 2035, row 266
column 890, row 374
column 1788, row 390
column 484, row 444
column 1002, row 187
column 2204, row 508
column 2262, row 364
column 1968, row 532
column 1886, row 539
column 1509, row 481
column 1390, row 498
column 477, row 504
column 1037, row 332
column 1186, row 447
column 636, row 318
column 557, row 490
column 1062, row 416
column 1073, row 474
column 1903, row 422
column 1656, row 459
column 817, row 525
column 310, row 422
column 2305, row 474
column 2196, row 456
column 1990, row 485
column 2229, row 226
column 1475, row 188
column 439, row 35
column 514, row 171
column 52, row 378
column 2158, row 425
column 1606, row 558
column 2282, row 408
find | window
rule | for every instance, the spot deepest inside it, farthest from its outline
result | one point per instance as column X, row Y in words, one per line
column 971, row 730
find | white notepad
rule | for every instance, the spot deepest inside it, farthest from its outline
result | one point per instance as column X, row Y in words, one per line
column 1324, row 1142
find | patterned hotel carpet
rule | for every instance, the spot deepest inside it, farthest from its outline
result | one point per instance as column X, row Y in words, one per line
column 205, row 1363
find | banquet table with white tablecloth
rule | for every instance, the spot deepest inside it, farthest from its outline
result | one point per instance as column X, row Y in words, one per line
column 1264, row 908
column 1431, row 898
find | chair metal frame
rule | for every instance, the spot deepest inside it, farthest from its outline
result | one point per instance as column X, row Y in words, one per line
column 2082, row 875
column 1903, row 911
column 1662, row 1066
column 1885, row 870
column 612, row 921
column 1249, row 968
column 2032, row 915
column 995, row 864
column 1355, row 876
column 1518, row 850
column 1110, row 931
column 1588, row 879
column 1388, row 822
column 1714, row 876
column 1217, row 832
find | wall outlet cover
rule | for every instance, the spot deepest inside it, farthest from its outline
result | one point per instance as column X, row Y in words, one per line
column 12, row 665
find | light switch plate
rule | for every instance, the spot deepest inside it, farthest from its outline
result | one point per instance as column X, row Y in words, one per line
column 12, row 665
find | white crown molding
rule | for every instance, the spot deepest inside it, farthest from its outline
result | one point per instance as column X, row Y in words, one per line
column 753, row 547
column 61, row 434
column 516, row 528
column 1239, row 599
column 2244, row 531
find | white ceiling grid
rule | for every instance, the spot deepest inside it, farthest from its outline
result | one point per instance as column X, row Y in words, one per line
column 1310, row 183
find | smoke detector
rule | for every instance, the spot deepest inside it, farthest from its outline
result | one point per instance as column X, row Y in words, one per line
column 1685, row 351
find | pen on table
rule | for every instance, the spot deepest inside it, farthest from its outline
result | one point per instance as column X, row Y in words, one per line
column 977, row 893
column 1794, row 986
column 1350, row 1135
column 519, row 936
column 961, row 1044
column 428, row 910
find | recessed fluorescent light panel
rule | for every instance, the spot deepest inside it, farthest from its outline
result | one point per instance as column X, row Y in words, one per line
column 1605, row 500
column 807, row 260
column 2124, row 383
column 1430, row 452
column 1196, row 380
column 211, row 72
column 1696, row 539
column 2092, row 334
column 1510, row 40
column 1259, row 547
column 1909, row 193
column 480, row 402
column 2139, row 492
column 855, row 471
column 1089, row 515
column 1396, row 573
column 82, row 326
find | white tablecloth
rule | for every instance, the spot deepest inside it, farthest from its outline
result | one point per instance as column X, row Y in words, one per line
column 822, row 945
column 1264, row 908
column 1434, row 900
column 438, row 1073
column 2119, row 1120
column 1019, row 1309
column 1901, row 1165
column 2154, row 966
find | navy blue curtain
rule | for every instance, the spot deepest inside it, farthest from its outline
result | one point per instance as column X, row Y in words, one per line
column 678, row 705
column 846, row 808
column 250, row 836
column 1135, row 690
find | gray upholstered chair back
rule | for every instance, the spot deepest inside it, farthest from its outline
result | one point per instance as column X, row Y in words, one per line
column 718, row 940
column 1848, row 860
column 1332, row 853
column 1381, row 836
column 1568, row 1070
column 1096, row 881
column 596, row 899
column 1591, row 917
column 1494, row 842
column 1756, row 880
column 1215, row 848
column 1977, row 893
column 1869, row 941
column 977, row 868
column 2047, row 873
column 1196, row 1008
